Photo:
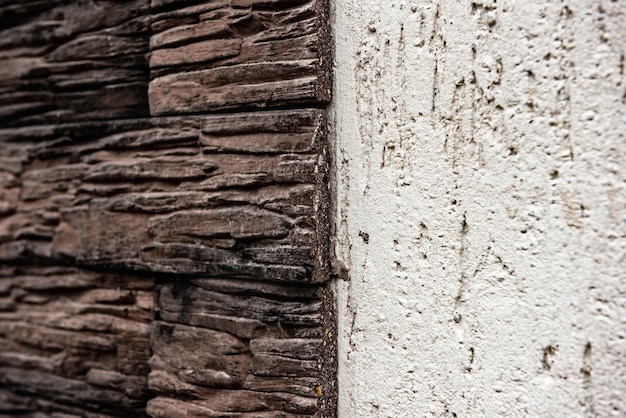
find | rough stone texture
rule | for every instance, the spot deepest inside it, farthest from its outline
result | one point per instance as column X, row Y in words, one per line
column 191, row 208
column 263, row 342
column 157, row 257
column 238, row 53
column 64, row 60
column 481, row 208
column 73, row 341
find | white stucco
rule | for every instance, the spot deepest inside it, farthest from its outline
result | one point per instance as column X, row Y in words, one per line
column 481, row 207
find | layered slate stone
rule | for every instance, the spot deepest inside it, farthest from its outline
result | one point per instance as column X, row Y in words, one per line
column 69, row 60
column 168, row 195
column 257, row 247
column 169, row 260
column 73, row 341
column 235, row 54
column 259, row 349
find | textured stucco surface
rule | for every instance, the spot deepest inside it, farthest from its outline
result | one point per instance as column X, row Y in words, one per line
column 480, row 174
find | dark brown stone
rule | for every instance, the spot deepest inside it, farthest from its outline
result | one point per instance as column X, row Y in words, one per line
column 164, row 209
column 237, row 54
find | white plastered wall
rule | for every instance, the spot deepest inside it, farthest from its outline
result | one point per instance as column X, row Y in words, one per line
column 480, row 162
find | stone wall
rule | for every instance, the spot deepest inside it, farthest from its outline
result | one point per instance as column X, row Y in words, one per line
column 163, row 209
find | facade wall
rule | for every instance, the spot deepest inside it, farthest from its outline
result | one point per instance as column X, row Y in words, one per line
column 480, row 163
column 164, row 226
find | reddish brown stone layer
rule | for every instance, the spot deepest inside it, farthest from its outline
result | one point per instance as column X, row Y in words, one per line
column 74, row 341
column 225, row 212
